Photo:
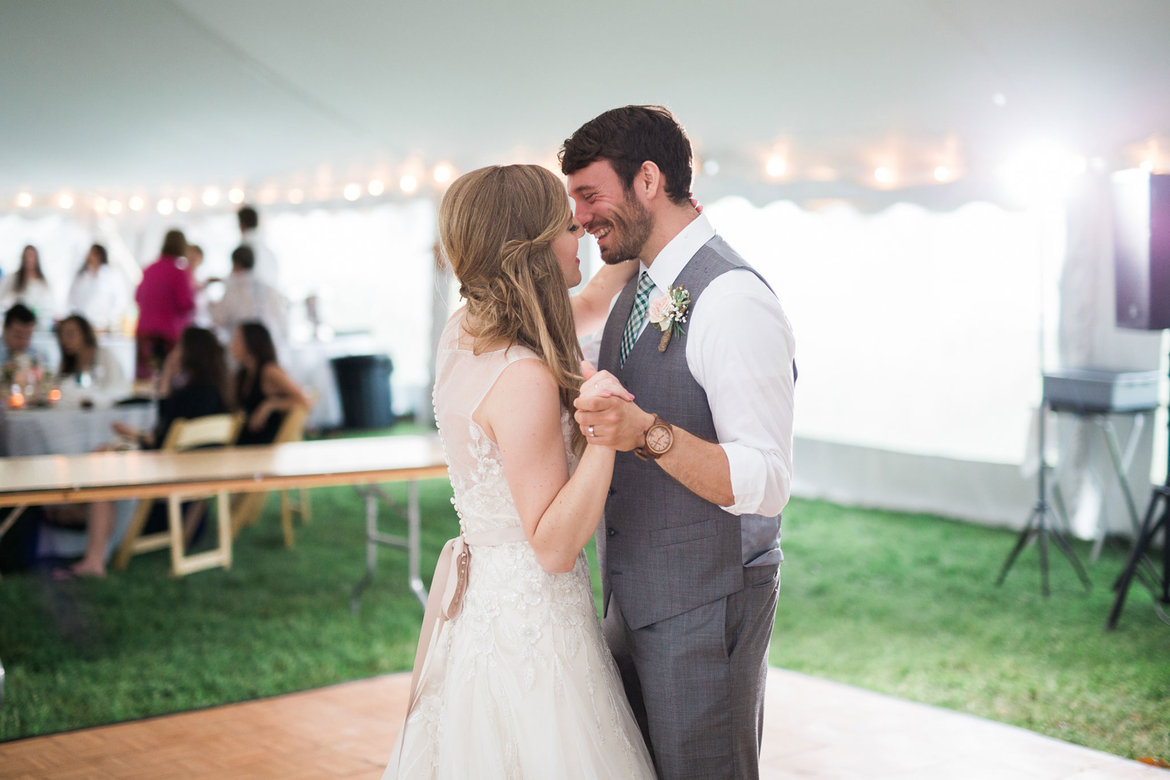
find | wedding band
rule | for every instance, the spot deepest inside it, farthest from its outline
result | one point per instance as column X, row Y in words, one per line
column 591, row 433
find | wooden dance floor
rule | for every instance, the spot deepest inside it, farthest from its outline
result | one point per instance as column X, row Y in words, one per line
column 813, row 729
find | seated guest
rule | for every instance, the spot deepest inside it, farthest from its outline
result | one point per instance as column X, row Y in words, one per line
column 16, row 341
column 29, row 286
column 83, row 362
column 264, row 392
column 99, row 291
column 166, row 304
column 246, row 298
column 193, row 384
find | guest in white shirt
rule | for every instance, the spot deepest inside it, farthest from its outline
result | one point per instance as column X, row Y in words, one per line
column 99, row 292
column 246, row 298
column 266, row 267
column 29, row 286
column 91, row 368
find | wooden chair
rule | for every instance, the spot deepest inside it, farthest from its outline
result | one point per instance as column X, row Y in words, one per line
column 207, row 431
column 247, row 507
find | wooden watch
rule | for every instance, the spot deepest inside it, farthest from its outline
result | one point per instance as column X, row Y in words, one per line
column 659, row 438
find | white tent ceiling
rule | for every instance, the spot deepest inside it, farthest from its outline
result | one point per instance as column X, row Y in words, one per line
column 159, row 96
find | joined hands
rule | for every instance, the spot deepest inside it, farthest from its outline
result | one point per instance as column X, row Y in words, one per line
column 606, row 412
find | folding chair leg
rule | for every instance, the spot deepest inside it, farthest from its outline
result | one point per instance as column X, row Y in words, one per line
column 126, row 548
column 181, row 563
column 175, row 526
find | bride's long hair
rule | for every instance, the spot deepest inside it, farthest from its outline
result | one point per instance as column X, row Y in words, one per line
column 496, row 227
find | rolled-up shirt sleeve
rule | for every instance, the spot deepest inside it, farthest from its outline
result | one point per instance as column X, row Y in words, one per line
column 740, row 349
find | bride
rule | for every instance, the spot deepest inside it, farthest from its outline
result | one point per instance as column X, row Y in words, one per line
column 520, row 684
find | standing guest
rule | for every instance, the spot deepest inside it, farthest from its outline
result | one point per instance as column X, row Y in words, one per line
column 99, row 292
column 193, row 384
column 166, row 304
column 16, row 341
column 29, row 286
column 691, row 550
column 248, row 298
column 264, row 392
column 84, row 362
column 202, row 316
column 250, row 235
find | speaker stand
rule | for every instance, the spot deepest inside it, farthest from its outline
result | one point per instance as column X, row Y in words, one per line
column 1159, row 507
column 1040, row 528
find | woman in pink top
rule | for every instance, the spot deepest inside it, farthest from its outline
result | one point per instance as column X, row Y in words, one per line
column 166, row 304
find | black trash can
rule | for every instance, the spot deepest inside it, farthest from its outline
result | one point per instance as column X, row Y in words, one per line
column 363, row 384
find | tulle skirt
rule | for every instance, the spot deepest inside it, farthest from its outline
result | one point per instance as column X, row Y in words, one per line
column 521, row 684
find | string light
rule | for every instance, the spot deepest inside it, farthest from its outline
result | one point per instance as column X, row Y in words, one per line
column 776, row 167
column 898, row 164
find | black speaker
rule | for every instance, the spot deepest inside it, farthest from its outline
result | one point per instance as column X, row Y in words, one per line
column 1141, row 249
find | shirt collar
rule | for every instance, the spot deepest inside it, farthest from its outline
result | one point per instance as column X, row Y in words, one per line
column 678, row 252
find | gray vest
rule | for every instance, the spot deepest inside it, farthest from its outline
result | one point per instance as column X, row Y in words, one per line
column 663, row 550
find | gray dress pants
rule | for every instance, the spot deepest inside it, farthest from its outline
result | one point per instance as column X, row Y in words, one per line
column 696, row 681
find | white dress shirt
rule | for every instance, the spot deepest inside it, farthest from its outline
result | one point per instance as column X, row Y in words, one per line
column 102, row 297
column 736, row 323
column 265, row 267
column 36, row 295
column 247, row 297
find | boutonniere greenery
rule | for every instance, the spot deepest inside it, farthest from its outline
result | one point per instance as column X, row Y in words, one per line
column 668, row 313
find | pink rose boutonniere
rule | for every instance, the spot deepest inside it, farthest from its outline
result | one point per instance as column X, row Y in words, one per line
column 668, row 312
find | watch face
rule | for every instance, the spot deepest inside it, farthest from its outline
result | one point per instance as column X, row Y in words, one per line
column 659, row 438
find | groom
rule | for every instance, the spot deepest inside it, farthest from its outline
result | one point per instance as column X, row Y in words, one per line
column 690, row 550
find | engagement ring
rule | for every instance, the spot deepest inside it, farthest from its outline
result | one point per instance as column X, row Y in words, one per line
column 591, row 433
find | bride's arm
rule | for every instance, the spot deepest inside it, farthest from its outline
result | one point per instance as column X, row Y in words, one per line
column 591, row 305
column 522, row 413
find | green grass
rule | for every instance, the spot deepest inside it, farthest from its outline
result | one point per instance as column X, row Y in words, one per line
column 903, row 604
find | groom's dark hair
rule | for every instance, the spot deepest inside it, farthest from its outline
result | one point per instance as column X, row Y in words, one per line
column 628, row 137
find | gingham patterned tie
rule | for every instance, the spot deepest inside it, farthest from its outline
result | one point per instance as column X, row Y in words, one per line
column 637, row 316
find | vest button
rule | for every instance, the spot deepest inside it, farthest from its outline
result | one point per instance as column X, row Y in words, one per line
column 610, row 532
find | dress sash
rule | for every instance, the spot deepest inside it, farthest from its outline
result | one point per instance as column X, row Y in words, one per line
column 445, row 599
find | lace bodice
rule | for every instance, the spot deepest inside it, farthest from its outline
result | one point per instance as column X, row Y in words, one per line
column 463, row 379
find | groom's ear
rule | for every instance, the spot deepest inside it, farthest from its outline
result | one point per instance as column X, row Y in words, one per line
column 648, row 181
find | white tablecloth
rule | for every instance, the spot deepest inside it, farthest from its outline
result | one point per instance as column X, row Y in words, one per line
column 70, row 431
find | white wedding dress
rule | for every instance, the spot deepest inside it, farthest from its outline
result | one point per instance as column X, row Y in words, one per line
column 520, row 684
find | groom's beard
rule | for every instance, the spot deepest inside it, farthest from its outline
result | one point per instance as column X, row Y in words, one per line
column 631, row 225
